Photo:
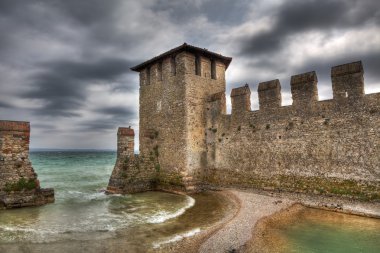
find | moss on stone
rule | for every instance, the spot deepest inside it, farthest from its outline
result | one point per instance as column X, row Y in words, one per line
column 20, row 185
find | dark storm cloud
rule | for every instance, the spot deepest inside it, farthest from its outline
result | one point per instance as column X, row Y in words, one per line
column 43, row 126
column 62, row 84
column 219, row 11
column 295, row 17
column 118, row 111
column 100, row 70
column 88, row 12
column 5, row 105
column 110, row 117
column 99, row 125
column 104, row 124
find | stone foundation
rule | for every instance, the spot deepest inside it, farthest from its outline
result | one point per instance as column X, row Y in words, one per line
column 19, row 186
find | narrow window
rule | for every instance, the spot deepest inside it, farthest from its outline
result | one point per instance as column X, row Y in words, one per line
column 213, row 69
column 148, row 76
column 173, row 65
column 160, row 71
column 346, row 94
column 197, row 65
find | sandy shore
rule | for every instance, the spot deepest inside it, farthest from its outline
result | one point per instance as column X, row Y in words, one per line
column 238, row 230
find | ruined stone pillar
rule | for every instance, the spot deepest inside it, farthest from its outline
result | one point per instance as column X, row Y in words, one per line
column 19, row 186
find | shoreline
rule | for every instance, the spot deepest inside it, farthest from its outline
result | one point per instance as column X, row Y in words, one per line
column 238, row 232
column 193, row 243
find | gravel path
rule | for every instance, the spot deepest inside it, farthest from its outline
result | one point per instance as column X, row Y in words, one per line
column 238, row 231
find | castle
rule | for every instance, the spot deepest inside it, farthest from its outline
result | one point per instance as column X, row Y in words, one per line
column 189, row 143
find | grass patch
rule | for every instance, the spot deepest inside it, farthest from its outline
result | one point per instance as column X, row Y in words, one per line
column 21, row 184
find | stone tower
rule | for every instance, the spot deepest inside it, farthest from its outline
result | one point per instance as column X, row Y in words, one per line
column 174, row 87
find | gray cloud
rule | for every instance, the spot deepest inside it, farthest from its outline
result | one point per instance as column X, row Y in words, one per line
column 64, row 64
column 218, row 11
column 62, row 84
column 294, row 17
column 5, row 105
column 100, row 70
column 118, row 111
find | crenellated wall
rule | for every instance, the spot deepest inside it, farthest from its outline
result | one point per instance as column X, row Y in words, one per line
column 19, row 185
column 321, row 147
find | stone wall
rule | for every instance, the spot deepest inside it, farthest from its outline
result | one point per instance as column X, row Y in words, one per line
column 322, row 147
column 19, row 185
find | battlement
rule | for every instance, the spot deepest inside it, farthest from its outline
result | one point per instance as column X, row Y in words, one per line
column 347, row 69
column 269, row 94
column 347, row 82
column 304, row 88
column 240, row 99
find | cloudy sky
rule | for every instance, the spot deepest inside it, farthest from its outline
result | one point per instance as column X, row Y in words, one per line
column 64, row 64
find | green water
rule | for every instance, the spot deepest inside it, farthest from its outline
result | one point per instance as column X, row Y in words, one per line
column 84, row 217
column 317, row 231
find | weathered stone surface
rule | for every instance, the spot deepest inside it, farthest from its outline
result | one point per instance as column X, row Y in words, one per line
column 187, row 141
column 19, row 186
column 132, row 173
column 324, row 147
column 269, row 94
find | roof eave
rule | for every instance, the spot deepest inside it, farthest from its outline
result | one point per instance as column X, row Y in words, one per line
column 184, row 47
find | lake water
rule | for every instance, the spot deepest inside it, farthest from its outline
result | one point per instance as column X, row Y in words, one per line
column 83, row 215
column 319, row 231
